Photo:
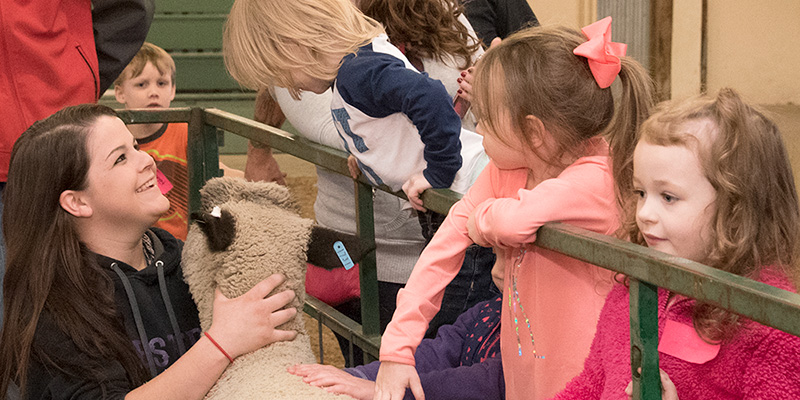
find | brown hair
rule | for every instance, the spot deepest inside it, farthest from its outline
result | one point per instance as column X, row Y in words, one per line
column 48, row 270
column 534, row 72
column 264, row 40
column 427, row 28
column 149, row 53
column 757, row 217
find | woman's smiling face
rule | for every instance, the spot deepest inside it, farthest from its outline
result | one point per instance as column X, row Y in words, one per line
column 122, row 184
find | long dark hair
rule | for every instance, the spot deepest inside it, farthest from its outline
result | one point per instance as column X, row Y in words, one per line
column 48, row 269
column 427, row 28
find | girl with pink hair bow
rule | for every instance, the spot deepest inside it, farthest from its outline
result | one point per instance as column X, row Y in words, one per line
column 545, row 110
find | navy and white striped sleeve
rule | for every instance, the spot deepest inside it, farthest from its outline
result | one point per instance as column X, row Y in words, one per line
column 380, row 85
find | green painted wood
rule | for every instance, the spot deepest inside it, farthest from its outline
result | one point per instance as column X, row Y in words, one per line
column 193, row 32
column 726, row 290
column 342, row 325
column 193, row 6
column 644, row 341
column 203, row 156
column 236, row 103
column 332, row 159
column 151, row 116
column 755, row 300
column 203, row 72
column 439, row 200
column 368, row 271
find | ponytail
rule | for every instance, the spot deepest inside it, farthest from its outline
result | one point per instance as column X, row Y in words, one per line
column 635, row 104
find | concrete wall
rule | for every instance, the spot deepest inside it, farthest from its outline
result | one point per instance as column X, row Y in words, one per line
column 753, row 46
column 572, row 13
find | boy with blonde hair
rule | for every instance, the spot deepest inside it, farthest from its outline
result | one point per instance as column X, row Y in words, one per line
column 399, row 125
column 149, row 82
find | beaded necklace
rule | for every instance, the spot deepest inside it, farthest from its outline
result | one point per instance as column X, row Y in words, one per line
column 514, row 302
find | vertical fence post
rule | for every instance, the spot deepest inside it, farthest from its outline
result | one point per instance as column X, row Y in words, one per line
column 644, row 340
column 370, row 313
column 202, row 154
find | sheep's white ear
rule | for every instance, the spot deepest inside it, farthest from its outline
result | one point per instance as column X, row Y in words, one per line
column 331, row 249
column 219, row 226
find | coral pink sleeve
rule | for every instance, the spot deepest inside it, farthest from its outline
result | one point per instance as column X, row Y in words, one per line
column 438, row 264
column 581, row 195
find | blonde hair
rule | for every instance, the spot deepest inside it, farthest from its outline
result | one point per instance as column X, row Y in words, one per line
column 757, row 217
column 149, row 53
column 264, row 40
column 534, row 72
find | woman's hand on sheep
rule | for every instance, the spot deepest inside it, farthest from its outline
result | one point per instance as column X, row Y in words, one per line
column 246, row 323
column 394, row 378
column 334, row 380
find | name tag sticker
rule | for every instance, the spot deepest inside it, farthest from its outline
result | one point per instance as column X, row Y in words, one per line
column 344, row 256
column 163, row 183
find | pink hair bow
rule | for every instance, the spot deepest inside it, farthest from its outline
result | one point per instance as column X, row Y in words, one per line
column 602, row 53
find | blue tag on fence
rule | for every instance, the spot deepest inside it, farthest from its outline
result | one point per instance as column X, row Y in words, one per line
column 344, row 257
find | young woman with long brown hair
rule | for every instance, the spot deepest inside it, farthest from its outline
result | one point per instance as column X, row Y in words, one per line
column 94, row 299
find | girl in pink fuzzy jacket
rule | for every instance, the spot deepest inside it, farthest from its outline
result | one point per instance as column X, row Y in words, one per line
column 712, row 183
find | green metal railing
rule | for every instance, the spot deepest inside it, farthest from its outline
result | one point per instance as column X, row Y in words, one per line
column 647, row 269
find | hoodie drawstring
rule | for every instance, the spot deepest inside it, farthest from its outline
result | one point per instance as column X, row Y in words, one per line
column 162, row 284
column 137, row 317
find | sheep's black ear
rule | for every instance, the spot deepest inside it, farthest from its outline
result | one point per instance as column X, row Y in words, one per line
column 220, row 231
column 330, row 249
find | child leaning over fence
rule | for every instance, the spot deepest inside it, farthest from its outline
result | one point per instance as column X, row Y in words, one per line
column 399, row 125
column 542, row 111
column 711, row 183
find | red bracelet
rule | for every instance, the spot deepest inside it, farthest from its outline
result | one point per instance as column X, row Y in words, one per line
column 219, row 347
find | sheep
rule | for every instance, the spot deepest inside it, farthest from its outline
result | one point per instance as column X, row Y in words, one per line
column 256, row 232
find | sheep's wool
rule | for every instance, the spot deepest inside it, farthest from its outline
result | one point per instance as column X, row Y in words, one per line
column 269, row 237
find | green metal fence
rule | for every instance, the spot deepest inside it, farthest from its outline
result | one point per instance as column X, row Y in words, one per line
column 647, row 269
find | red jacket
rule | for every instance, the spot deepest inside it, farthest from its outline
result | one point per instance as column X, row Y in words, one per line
column 47, row 61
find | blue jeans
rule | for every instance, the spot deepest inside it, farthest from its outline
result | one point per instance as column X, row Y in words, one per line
column 472, row 285
column 387, row 303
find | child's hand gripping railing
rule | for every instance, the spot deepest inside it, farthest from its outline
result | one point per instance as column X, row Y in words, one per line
column 648, row 269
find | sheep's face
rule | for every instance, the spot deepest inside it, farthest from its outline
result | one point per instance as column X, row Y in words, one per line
column 248, row 231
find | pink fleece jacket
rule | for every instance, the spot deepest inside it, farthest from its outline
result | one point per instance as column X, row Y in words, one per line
column 560, row 296
column 759, row 363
